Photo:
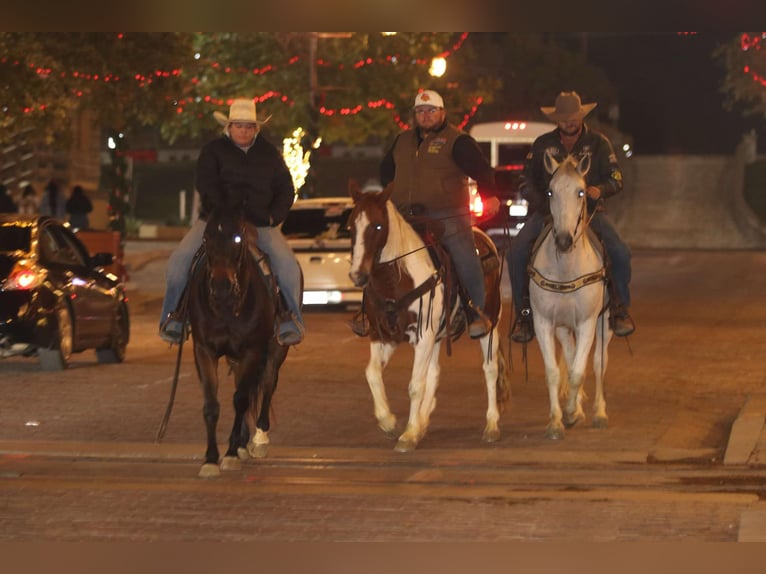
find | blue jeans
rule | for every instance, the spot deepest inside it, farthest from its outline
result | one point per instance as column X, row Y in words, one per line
column 270, row 240
column 458, row 241
column 521, row 246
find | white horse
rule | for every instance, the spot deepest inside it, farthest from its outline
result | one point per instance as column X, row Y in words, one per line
column 567, row 296
column 405, row 301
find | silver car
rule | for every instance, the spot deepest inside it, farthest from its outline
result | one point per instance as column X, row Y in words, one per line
column 317, row 230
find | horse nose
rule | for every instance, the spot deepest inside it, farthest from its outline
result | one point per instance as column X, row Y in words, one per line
column 221, row 287
column 359, row 278
column 564, row 241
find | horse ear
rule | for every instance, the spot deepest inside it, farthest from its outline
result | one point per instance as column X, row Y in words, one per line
column 551, row 165
column 583, row 166
column 353, row 189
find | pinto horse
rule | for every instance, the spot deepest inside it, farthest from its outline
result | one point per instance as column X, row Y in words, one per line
column 406, row 300
column 568, row 297
column 232, row 311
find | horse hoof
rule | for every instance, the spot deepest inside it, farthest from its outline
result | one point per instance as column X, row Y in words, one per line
column 388, row 426
column 405, row 445
column 258, row 450
column 569, row 422
column 391, row 434
column 491, row 435
column 554, row 433
column 242, row 454
column 209, row 470
column 231, row 463
column 600, row 423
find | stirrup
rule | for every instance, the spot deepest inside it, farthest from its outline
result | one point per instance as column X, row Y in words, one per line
column 360, row 325
column 523, row 329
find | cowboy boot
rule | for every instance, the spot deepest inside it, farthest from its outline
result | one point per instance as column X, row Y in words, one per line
column 619, row 319
column 523, row 329
column 359, row 324
column 480, row 324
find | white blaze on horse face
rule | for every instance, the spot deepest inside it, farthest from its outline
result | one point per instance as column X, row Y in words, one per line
column 567, row 188
column 360, row 225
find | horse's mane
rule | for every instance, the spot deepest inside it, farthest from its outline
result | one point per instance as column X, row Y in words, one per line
column 402, row 238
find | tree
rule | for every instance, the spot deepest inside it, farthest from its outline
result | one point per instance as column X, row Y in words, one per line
column 126, row 79
column 344, row 87
column 744, row 82
column 532, row 69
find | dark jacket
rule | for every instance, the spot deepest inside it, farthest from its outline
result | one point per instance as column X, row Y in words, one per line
column 259, row 179
column 433, row 170
column 604, row 170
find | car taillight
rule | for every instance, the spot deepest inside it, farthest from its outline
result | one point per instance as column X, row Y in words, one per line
column 23, row 277
column 477, row 206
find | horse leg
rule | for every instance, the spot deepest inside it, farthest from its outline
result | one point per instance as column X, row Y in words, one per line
column 490, row 346
column 600, row 360
column 584, row 343
column 428, row 404
column 207, row 370
column 415, row 430
column 231, row 460
column 572, row 395
column 267, row 385
column 547, row 344
column 380, row 354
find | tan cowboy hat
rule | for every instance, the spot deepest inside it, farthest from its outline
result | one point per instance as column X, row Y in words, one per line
column 568, row 107
column 241, row 110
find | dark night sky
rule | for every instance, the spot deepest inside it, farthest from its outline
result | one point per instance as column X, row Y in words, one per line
column 669, row 92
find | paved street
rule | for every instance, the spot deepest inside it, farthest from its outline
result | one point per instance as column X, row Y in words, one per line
column 78, row 461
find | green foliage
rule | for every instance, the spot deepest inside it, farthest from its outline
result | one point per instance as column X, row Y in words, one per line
column 176, row 80
column 743, row 67
column 128, row 79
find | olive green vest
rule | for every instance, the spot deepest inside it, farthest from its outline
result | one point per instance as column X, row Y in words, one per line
column 427, row 174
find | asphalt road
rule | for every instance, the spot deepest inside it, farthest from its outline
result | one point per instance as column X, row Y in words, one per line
column 79, row 462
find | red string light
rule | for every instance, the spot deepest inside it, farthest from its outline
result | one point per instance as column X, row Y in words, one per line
column 752, row 43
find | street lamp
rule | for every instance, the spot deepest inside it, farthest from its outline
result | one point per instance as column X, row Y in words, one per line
column 438, row 67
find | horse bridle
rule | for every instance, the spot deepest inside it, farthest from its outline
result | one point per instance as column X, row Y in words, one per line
column 243, row 252
column 580, row 218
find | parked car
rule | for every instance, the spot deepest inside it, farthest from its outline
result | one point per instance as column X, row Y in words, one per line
column 55, row 298
column 317, row 230
column 511, row 216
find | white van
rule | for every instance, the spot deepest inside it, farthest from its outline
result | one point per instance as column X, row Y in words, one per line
column 506, row 144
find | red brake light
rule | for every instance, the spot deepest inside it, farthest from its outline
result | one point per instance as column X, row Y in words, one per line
column 23, row 277
column 477, row 206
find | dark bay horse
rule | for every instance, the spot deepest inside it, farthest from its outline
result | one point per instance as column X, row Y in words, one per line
column 232, row 311
column 407, row 299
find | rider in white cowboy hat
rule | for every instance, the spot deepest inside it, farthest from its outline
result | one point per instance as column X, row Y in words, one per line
column 250, row 169
column 241, row 110
column 604, row 179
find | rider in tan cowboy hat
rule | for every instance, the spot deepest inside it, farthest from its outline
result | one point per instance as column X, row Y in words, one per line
column 242, row 110
column 572, row 136
column 568, row 107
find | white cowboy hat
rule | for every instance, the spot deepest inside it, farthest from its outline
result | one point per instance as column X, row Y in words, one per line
column 241, row 110
column 568, row 107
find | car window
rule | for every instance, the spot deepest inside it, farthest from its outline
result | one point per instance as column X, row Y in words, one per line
column 55, row 248
column 15, row 238
column 317, row 223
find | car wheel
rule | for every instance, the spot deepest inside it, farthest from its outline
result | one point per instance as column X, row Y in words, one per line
column 57, row 357
column 115, row 352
